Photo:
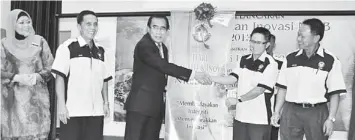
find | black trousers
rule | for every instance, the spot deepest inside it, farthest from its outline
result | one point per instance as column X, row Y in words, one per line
column 82, row 128
column 247, row 131
column 142, row 127
column 297, row 121
column 275, row 130
column 274, row 133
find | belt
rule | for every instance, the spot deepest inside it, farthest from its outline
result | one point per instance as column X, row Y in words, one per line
column 308, row 105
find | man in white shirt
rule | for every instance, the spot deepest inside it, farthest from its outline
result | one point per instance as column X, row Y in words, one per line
column 256, row 75
column 308, row 79
column 81, row 83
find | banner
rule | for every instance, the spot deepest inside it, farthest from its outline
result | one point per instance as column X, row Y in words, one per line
column 195, row 111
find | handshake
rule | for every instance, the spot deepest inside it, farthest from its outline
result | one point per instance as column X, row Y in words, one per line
column 203, row 78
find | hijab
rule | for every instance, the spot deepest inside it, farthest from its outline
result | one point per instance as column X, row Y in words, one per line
column 22, row 47
column 17, row 35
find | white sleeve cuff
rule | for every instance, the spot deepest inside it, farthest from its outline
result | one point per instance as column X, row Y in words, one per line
column 192, row 76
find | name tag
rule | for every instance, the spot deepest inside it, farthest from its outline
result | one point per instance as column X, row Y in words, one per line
column 34, row 44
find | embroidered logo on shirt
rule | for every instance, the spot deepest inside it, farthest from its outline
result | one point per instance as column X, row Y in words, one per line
column 99, row 55
column 260, row 67
column 321, row 65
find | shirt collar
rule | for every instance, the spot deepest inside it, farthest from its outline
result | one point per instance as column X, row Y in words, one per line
column 261, row 58
column 157, row 44
column 82, row 42
column 319, row 51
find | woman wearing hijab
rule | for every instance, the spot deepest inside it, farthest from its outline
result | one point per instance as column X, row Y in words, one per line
column 25, row 70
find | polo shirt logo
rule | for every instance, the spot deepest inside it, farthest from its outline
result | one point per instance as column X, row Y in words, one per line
column 260, row 67
column 99, row 55
column 321, row 65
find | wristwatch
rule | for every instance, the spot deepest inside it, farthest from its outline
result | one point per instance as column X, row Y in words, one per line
column 239, row 99
column 332, row 119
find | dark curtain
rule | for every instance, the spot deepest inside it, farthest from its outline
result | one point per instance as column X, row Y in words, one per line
column 45, row 23
column 351, row 132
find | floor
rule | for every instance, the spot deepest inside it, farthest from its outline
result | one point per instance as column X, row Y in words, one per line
column 111, row 138
column 337, row 135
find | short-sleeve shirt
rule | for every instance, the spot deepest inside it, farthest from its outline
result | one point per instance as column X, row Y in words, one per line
column 279, row 65
column 86, row 71
column 313, row 79
column 250, row 74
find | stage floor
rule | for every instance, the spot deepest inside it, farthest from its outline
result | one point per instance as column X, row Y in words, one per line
column 337, row 135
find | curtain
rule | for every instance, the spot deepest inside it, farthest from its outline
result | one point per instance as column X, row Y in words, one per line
column 43, row 14
column 45, row 23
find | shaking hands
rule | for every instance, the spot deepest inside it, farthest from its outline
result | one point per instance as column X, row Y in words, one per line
column 203, row 78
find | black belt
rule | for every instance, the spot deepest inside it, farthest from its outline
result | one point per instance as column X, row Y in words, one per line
column 308, row 105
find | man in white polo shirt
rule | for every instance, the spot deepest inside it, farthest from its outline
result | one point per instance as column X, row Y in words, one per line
column 81, row 83
column 309, row 78
column 256, row 76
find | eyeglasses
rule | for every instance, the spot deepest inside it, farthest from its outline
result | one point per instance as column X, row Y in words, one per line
column 257, row 42
column 157, row 28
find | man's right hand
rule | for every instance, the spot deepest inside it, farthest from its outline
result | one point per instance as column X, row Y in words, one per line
column 275, row 119
column 203, row 78
column 63, row 114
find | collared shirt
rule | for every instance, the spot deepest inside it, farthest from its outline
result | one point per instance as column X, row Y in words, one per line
column 250, row 74
column 279, row 65
column 86, row 71
column 311, row 80
column 160, row 47
column 273, row 98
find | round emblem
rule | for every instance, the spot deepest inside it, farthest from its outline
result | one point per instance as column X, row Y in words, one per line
column 321, row 65
column 261, row 66
column 201, row 33
column 99, row 55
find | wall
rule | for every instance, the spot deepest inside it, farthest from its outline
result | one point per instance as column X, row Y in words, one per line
column 5, row 9
column 222, row 5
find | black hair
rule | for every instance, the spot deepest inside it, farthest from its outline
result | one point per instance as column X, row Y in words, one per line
column 272, row 46
column 158, row 16
column 81, row 15
column 317, row 27
column 263, row 31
